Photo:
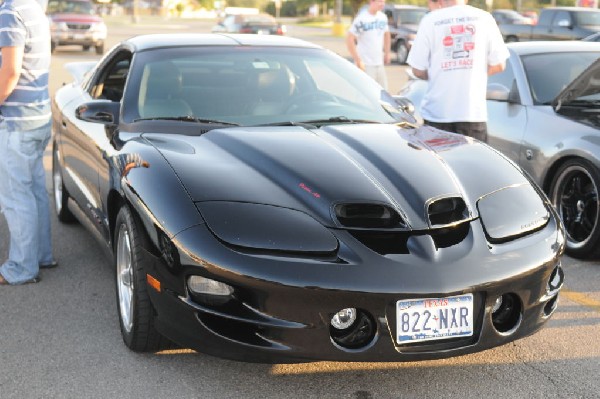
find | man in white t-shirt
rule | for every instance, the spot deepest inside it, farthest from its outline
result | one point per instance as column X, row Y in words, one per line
column 368, row 41
column 457, row 47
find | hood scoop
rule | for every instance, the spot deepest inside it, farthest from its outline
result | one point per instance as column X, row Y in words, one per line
column 445, row 212
column 368, row 216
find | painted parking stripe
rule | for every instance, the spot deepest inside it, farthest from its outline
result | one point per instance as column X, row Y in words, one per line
column 581, row 299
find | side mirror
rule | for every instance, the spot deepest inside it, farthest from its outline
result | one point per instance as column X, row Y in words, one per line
column 100, row 111
column 499, row 92
column 405, row 104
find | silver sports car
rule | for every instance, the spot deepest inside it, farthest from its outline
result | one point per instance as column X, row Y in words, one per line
column 544, row 113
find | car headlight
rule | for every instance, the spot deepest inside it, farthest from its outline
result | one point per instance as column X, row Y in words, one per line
column 98, row 28
column 512, row 212
column 59, row 26
column 267, row 227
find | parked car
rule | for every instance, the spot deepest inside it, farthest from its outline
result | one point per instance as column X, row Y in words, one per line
column 532, row 15
column 504, row 16
column 262, row 199
column 75, row 22
column 555, row 23
column 403, row 23
column 262, row 24
column 545, row 119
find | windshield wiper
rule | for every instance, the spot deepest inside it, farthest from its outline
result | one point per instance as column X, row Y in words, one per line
column 187, row 118
column 337, row 119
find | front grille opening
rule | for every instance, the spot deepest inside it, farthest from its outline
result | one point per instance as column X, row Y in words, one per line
column 447, row 211
column 250, row 334
column 384, row 243
column 367, row 216
column 447, row 237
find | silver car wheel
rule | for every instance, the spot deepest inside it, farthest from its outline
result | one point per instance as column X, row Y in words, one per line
column 57, row 186
column 401, row 53
column 125, row 282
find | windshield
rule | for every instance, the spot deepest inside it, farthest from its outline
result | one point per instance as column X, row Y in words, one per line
column 546, row 83
column 588, row 18
column 251, row 86
column 410, row 17
column 70, row 7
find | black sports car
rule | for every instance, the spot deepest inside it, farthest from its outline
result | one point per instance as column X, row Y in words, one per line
column 264, row 200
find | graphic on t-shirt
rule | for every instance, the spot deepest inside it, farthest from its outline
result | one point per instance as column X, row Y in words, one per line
column 458, row 44
column 363, row 26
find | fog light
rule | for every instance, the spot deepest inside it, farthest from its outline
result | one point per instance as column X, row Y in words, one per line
column 205, row 286
column 344, row 318
column 497, row 304
column 506, row 317
column 353, row 329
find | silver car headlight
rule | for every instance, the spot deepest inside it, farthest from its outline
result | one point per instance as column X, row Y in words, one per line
column 267, row 227
column 512, row 212
column 59, row 26
column 98, row 28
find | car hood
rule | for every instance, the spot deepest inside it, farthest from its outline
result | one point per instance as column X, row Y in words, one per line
column 587, row 83
column 313, row 170
column 76, row 18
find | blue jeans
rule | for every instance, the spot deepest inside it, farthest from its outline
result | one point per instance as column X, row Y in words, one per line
column 24, row 202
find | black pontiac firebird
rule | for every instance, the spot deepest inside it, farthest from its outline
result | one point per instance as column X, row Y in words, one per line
column 264, row 200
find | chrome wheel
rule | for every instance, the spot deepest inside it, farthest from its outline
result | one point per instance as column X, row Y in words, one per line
column 125, row 282
column 401, row 53
column 57, row 186
column 574, row 193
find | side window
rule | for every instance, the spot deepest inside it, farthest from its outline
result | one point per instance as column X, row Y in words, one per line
column 562, row 18
column 111, row 80
column 505, row 78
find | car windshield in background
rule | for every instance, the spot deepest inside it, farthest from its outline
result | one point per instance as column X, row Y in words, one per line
column 550, row 73
column 70, row 7
column 410, row 17
column 587, row 18
column 251, row 86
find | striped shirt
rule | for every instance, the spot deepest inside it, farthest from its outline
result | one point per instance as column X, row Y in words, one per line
column 23, row 23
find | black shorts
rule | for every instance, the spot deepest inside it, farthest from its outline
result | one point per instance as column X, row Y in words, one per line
column 477, row 130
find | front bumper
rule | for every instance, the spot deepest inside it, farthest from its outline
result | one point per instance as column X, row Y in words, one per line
column 283, row 305
column 78, row 37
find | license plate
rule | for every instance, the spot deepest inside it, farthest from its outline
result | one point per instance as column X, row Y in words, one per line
column 430, row 319
column 79, row 36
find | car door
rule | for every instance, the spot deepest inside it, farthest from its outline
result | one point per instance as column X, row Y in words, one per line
column 507, row 120
column 87, row 148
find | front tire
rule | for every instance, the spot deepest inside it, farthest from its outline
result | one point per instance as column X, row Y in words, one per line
column 574, row 193
column 99, row 49
column 136, row 315
column 401, row 53
column 61, row 195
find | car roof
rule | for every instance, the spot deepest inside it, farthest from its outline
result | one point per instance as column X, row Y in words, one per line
column 404, row 6
column 152, row 41
column 535, row 47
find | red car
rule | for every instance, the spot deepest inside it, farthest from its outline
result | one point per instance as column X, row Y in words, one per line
column 75, row 22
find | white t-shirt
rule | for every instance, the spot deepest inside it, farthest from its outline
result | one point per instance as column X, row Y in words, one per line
column 369, row 30
column 455, row 45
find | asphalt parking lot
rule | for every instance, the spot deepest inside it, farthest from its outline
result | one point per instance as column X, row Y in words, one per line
column 60, row 338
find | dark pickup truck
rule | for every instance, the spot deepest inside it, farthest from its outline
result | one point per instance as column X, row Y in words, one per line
column 555, row 23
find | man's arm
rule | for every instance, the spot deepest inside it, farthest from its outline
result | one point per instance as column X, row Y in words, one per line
column 492, row 69
column 12, row 62
column 351, row 44
column 387, row 40
column 421, row 74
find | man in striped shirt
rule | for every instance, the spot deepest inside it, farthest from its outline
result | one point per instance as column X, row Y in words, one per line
column 24, row 134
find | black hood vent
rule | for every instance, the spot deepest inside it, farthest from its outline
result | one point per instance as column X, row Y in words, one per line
column 369, row 216
column 447, row 211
